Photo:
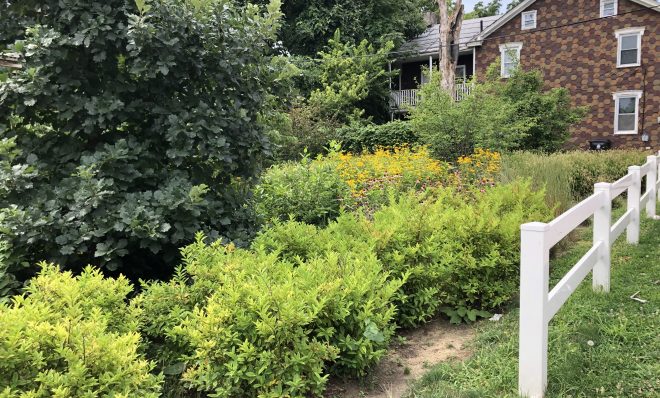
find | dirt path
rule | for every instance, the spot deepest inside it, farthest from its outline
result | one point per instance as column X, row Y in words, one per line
column 424, row 347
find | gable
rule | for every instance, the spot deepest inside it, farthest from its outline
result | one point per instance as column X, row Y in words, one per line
column 514, row 12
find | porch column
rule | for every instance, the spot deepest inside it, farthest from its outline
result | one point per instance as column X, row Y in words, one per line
column 389, row 68
column 474, row 61
column 430, row 66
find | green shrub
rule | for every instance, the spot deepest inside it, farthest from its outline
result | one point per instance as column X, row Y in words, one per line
column 499, row 114
column 568, row 177
column 307, row 191
column 130, row 120
column 358, row 138
column 245, row 323
column 73, row 337
column 458, row 252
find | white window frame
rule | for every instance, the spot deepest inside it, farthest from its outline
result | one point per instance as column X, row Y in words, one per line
column 507, row 47
column 602, row 8
column 637, row 95
column 522, row 20
column 620, row 34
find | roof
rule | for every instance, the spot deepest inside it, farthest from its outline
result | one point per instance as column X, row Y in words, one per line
column 652, row 4
column 429, row 41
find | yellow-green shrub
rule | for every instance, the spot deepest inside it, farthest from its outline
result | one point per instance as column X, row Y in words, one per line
column 459, row 252
column 250, row 324
column 73, row 337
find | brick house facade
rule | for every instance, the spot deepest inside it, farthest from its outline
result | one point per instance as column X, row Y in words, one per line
column 577, row 49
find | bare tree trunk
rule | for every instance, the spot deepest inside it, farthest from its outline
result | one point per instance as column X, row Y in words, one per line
column 450, row 33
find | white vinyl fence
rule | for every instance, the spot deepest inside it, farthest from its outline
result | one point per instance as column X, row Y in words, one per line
column 537, row 305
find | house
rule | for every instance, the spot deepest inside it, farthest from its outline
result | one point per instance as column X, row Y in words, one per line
column 605, row 52
column 418, row 58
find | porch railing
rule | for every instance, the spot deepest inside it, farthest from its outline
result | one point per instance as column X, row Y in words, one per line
column 402, row 99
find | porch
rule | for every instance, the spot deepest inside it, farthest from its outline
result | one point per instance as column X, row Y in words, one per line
column 400, row 100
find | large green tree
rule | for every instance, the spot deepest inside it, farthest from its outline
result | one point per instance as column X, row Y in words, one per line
column 128, row 125
column 309, row 24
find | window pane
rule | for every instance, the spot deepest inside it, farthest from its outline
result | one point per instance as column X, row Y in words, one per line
column 629, row 42
column 626, row 122
column 627, row 105
column 628, row 57
column 608, row 8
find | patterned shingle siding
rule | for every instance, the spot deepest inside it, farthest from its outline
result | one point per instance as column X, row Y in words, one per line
column 582, row 58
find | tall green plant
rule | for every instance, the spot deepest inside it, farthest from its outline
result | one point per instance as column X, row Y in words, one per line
column 133, row 119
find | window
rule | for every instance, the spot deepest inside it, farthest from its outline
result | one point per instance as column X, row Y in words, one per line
column 608, row 8
column 529, row 20
column 460, row 72
column 510, row 54
column 629, row 52
column 626, row 112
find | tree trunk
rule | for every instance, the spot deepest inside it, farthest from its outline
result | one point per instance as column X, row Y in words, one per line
column 450, row 33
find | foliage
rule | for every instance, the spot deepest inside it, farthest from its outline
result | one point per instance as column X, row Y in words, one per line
column 352, row 78
column 357, row 137
column 482, row 10
column 621, row 361
column 308, row 25
column 499, row 114
column 308, row 191
column 252, row 325
column 458, row 253
column 373, row 177
column 309, row 133
column 482, row 167
column 481, row 120
column 132, row 122
column 73, row 337
column 455, row 252
column 551, row 110
column 347, row 84
column 568, row 177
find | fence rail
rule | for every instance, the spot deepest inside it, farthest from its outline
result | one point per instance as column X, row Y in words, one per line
column 537, row 305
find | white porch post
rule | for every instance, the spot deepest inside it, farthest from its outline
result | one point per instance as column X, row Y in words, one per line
column 389, row 68
column 430, row 66
column 534, row 275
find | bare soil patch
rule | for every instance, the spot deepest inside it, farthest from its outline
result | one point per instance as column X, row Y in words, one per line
column 406, row 361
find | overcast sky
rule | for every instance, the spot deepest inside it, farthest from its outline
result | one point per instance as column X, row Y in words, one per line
column 469, row 4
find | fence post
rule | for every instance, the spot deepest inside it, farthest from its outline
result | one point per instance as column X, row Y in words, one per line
column 634, row 193
column 533, row 349
column 602, row 226
column 651, row 182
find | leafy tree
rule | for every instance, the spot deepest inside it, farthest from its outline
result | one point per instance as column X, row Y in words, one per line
column 309, row 24
column 482, row 10
column 348, row 84
column 128, row 126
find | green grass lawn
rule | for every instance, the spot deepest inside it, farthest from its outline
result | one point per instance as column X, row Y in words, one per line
column 600, row 345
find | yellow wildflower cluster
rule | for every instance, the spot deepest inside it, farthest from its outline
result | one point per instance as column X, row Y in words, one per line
column 481, row 167
column 399, row 168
